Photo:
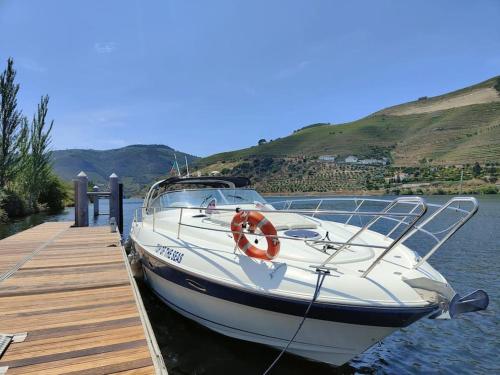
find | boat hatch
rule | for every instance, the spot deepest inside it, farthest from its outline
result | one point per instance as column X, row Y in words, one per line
column 302, row 233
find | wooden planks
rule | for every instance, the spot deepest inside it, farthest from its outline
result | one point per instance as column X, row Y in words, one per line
column 73, row 296
column 15, row 248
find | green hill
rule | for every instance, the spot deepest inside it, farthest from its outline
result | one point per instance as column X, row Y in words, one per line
column 459, row 127
column 427, row 140
column 136, row 165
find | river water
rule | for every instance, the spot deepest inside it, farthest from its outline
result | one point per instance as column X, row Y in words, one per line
column 469, row 344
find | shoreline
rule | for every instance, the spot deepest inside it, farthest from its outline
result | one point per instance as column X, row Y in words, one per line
column 355, row 193
column 371, row 193
column 325, row 193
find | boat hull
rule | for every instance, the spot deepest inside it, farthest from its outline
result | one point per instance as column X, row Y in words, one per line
column 320, row 340
column 358, row 283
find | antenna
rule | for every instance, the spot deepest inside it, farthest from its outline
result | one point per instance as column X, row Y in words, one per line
column 177, row 165
column 187, row 166
column 461, row 179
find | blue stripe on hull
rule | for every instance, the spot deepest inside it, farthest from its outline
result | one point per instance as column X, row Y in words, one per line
column 184, row 312
column 360, row 315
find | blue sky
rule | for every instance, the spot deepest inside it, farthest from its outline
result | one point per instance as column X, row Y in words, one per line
column 210, row 76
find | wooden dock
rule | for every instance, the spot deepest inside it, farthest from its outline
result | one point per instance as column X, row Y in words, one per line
column 71, row 291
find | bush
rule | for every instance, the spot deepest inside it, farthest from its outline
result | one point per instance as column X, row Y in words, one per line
column 488, row 189
column 3, row 216
column 13, row 204
column 476, row 170
column 54, row 195
column 497, row 85
column 3, row 213
column 440, row 191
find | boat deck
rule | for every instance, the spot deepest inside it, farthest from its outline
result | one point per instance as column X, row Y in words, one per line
column 71, row 291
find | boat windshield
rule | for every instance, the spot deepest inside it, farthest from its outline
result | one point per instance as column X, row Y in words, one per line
column 203, row 197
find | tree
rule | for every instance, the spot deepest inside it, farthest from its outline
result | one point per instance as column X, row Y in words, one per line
column 261, row 141
column 54, row 194
column 35, row 155
column 40, row 153
column 476, row 169
column 26, row 178
column 23, row 166
column 10, row 122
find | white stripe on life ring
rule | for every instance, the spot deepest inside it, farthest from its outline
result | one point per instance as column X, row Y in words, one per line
column 246, row 246
column 261, row 223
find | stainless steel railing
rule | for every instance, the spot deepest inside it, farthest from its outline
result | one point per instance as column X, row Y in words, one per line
column 403, row 214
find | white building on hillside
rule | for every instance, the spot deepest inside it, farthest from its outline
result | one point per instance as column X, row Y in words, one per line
column 382, row 161
column 401, row 176
column 329, row 158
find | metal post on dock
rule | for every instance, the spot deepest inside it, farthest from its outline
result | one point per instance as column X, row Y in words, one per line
column 82, row 201
column 114, row 197
column 95, row 189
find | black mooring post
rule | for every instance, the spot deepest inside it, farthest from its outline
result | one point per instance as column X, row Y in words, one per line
column 75, row 188
column 120, row 208
column 95, row 200
column 83, row 201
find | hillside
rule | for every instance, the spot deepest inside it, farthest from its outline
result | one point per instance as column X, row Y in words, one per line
column 459, row 127
column 426, row 141
column 484, row 92
column 136, row 165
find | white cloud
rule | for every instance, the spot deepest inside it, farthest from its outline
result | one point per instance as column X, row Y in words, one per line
column 292, row 70
column 112, row 118
column 91, row 128
column 32, row 65
column 105, row 47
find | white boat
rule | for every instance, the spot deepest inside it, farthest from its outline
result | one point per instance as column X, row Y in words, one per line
column 324, row 279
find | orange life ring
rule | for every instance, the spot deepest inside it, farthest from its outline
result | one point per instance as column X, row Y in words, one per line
column 255, row 220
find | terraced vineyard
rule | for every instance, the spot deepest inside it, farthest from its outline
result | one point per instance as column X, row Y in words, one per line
column 308, row 175
column 336, row 180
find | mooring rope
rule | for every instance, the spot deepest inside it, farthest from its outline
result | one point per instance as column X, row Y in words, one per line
column 319, row 282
